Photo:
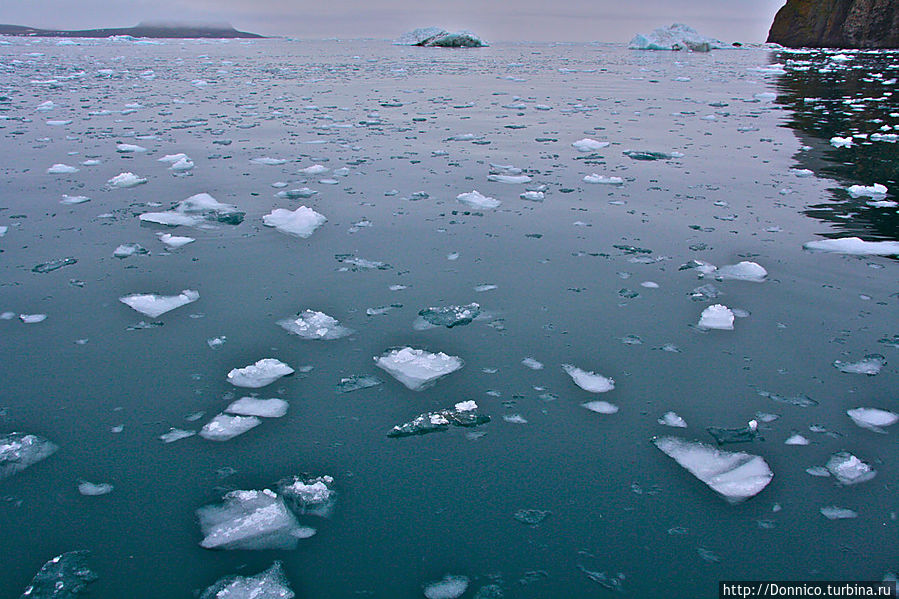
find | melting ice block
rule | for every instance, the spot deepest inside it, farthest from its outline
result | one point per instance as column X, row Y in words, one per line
column 717, row 317
column 672, row 419
column 854, row 245
column 270, row 584
column 451, row 316
column 743, row 271
column 449, row 587
column 18, row 451
column 603, row 180
column 155, row 305
column 301, row 222
column 848, row 469
column 601, row 407
column 417, row 368
column 253, row 406
column 224, row 427
column 253, row 520
column 314, row 325
column 264, row 372
column 674, row 37
column 735, row 476
column 90, row 489
column 194, row 210
column 63, row 577
column 871, row 365
column 476, row 200
column 873, row 191
column 126, row 180
column 439, row 37
column 873, row 419
column 61, row 169
column 589, row 381
column 589, row 145
column 309, row 495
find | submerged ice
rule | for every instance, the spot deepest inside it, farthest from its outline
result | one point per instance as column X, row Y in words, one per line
column 464, row 413
column 19, row 451
column 310, row 324
column 269, row 584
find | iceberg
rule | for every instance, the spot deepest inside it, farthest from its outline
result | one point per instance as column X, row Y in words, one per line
column 252, row 520
column 743, row 271
column 675, row 37
column 439, row 37
column 253, row 406
column 314, row 325
column 717, row 317
column 870, row 365
column 589, row 381
column 796, row 439
column 477, row 200
column 301, row 222
column 855, row 246
column 848, row 469
column 449, row 587
column 309, row 495
column 63, row 577
column 451, row 316
column 264, row 372
column 126, row 181
column 156, row 305
column 417, row 369
column 224, row 427
column 19, row 451
column 463, row 413
column 72, row 200
column 130, row 149
column 270, row 584
column 735, row 476
column 873, row 419
column 194, row 210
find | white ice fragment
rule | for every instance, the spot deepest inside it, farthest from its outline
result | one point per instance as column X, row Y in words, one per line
column 32, row 318
column 736, row 476
column 848, row 469
column 603, row 180
column 870, row 365
column 796, row 439
column 417, row 369
column 130, row 148
column 589, row 381
column 717, row 317
column 224, row 427
column 175, row 434
column 466, row 406
column 155, row 305
column 450, row 587
column 315, row 169
column 832, row 512
column 532, row 363
column 183, row 165
column 270, row 584
column 873, row 191
column 873, row 419
column 61, row 169
column 252, row 520
column 125, row 181
column 841, row 142
column 301, row 222
column 172, row 158
column 174, row 241
column 310, row 324
column 71, row 200
column 533, row 196
column 267, row 161
column 512, row 179
column 264, row 372
column 672, row 419
column 742, row 271
column 589, row 145
column 253, row 406
column 854, row 245
column 601, row 407
column 477, row 200
column 94, row 489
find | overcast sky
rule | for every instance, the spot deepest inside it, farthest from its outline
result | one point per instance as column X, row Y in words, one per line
column 499, row 20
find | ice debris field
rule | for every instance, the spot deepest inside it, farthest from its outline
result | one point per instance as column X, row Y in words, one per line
column 645, row 301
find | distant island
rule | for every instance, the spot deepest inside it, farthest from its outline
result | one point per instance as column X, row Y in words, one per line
column 154, row 30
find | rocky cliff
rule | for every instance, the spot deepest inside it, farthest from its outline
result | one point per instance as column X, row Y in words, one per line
column 837, row 24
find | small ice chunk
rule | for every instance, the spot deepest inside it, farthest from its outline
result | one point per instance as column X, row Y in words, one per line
column 156, row 305
column 172, row 158
column 417, row 369
column 94, row 489
column 126, row 180
column 872, row 191
column 477, row 200
column 511, row 179
column 451, row 316
column 224, row 427
column 174, row 241
column 301, row 222
column 19, row 451
column 796, row 439
column 64, row 577
column 129, row 249
column 130, row 149
column 841, row 142
column 832, row 512
column 268, row 161
column 183, row 165
column 264, row 372
column 251, row 520
column 315, row 169
column 742, row 271
column 270, row 584
column 253, row 406
column 449, row 587
column 175, row 434
column 310, row 324
column 672, row 419
column 532, row 363
column 72, row 200
column 601, row 407
column 870, row 365
column 32, row 318
column 736, row 476
column 194, row 210
column 309, row 495
column 589, row 381
column 717, row 317
column 603, row 180
column 357, row 382
column 873, row 419
column 855, row 246
column 61, row 169
column 533, row 196
column 589, row 145
column 848, row 469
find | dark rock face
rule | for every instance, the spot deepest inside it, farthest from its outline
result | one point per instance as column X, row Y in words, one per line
column 837, row 24
column 149, row 30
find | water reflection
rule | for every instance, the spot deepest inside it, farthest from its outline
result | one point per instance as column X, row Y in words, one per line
column 844, row 95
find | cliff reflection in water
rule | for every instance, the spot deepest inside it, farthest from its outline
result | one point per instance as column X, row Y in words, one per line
column 843, row 95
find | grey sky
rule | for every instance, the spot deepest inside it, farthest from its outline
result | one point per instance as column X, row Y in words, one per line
column 538, row 20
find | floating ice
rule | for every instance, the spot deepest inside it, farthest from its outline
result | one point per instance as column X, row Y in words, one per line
column 19, row 451
column 172, row 158
column 451, row 316
column 267, row 161
column 94, row 489
column 672, row 419
column 155, row 305
column 130, row 148
column 417, row 369
column 477, row 200
column 195, row 210
column 252, row 520
column 175, row 434
column 871, row 365
column 439, row 37
column 796, row 439
column 126, row 180
column 589, row 145
column 253, row 406
column 832, row 512
column 449, row 587
column 841, row 142
column 717, row 317
column 512, row 179
column 873, row 419
column 462, row 414
column 675, row 37
column 854, row 245
column 72, row 200
column 357, row 382
column 532, row 363
column 743, row 271
column 533, row 196
column 264, row 372
column 54, row 264
column 315, row 169
column 309, row 495
column 174, row 241
column 603, row 180
column 848, row 469
column 601, row 407
column 296, row 194
column 183, row 165
column 736, row 476
column 270, row 584
column 63, row 577
column 61, row 169
column 314, row 325
column 589, row 381
column 743, row 434
column 129, row 249
column 301, row 222
column 32, row 318
column 224, row 427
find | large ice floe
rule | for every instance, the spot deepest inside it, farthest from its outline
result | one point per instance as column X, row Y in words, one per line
column 301, row 222
column 589, row 381
column 264, row 372
column 464, row 413
column 854, row 245
column 675, row 37
column 848, row 469
column 195, row 210
column 439, row 37
column 253, row 520
column 64, row 577
column 19, row 451
column 310, row 324
column 156, row 305
column 417, row 369
column 873, row 419
column 736, row 476
column 269, row 584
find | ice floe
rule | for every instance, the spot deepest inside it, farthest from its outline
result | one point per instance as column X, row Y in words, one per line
column 832, row 512
column 796, row 439
column 873, row 419
column 264, row 372
column 854, row 245
column 269, row 584
column 156, row 305
column 589, row 381
column 357, row 382
column 672, row 419
column 532, row 363
column 313, row 495
column 253, row 406
column 61, row 169
column 717, row 316
column 224, row 427
column 251, row 520
column 417, row 369
column 589, row 145
column 310, row 324
column 870, row 365
column 194, row 210
column 126, row 181
column 301, row 222
column 477, row 200
column 19, row 451
column 601, row 407
column 736, row 476
column 450, row 316
column 873, row 191
column 94, row 489
column 462, row 414
column 449, row 587
column 603, row 180
column 848, row 469
column 174, row 241
column 64, row 577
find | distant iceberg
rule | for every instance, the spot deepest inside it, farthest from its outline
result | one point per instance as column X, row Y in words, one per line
column 439, row 37
column 675, row 37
